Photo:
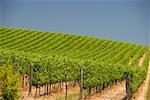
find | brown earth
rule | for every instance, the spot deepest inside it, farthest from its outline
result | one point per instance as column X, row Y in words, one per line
column 55, row 92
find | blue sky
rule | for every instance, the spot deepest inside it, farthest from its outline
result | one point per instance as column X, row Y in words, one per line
column 0, row 12
column 149, row 23
column 124, row 20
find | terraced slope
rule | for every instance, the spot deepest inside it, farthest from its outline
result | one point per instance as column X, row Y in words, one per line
column 59, row 57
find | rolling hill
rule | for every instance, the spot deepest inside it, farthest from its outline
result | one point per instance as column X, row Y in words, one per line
column 59, row 57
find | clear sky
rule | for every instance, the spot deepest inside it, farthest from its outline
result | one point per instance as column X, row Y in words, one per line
column 0, row 12
column 149, row 22
column 124, row 20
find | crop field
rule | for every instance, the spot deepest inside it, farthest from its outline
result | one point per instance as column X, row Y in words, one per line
column 60, row 57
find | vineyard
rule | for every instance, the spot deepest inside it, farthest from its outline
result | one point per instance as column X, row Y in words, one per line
column 59, row 57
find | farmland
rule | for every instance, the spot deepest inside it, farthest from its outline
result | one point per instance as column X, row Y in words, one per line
column 59, row 57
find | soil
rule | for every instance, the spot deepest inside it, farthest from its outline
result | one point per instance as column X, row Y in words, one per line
column 115, row 92
column 141, row 61
column 141, row 93
column 52, row 96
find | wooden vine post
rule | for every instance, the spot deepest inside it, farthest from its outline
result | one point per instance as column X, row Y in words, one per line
column 30, row 79
column 128, row 87
column 128, row 84
column 23, row 81
column 81, row 84
column 66, row 88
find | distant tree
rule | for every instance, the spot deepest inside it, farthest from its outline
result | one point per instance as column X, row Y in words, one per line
column 9, row 82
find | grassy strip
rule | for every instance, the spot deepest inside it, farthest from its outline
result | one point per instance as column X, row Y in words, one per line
column 69, row 97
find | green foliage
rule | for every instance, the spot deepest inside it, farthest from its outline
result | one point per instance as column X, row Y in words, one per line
column 9, row 82
column 59, row 57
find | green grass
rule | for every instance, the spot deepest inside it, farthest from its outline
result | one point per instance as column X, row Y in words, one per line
column 74, row 96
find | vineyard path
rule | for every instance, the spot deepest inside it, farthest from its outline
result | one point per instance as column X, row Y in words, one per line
column 118, row 91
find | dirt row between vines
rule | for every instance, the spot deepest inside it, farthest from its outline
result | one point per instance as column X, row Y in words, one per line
column 143, row 88
column 141, row 94
column 55, row 92
column 116, row 92
column 109, row 93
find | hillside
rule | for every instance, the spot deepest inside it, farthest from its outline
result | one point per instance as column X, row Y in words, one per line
column 59, row 57
column 73, row 46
